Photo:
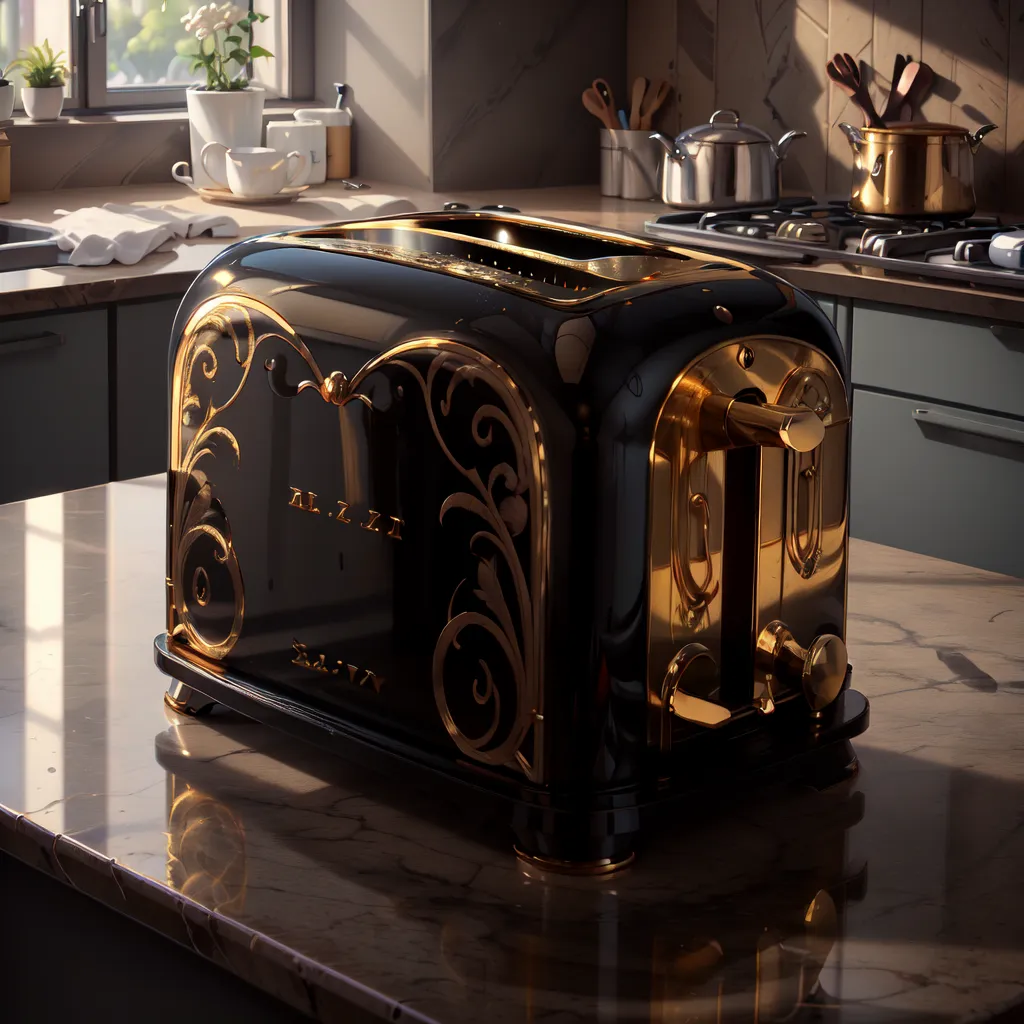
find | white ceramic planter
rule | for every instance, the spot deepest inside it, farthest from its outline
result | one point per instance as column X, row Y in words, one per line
column 43, row 104
column 6, row 101
column 233, row 118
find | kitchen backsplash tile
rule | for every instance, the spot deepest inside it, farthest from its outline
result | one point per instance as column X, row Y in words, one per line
column 766, row 58
column 80, row 155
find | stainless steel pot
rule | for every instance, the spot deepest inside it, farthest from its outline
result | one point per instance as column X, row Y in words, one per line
column 915, row 169
column 722, row 163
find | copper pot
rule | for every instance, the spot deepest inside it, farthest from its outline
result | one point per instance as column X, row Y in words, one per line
column 911, row 170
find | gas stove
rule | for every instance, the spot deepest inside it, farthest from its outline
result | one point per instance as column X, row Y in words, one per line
column 802, row 230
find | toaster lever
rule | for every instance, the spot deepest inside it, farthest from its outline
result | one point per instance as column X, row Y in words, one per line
column 819, row 670
column 728, row 423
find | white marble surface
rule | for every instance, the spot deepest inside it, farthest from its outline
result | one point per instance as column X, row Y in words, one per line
column 331, row 885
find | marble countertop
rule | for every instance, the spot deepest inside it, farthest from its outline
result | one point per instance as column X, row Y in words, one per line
column 332, row 886
column 170, row 273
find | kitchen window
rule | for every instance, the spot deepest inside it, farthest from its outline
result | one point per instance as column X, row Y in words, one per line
column 133, row 54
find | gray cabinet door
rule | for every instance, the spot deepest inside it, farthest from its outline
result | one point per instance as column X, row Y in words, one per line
column 143, row 342
column 53, row 392
column 938, row 480
column 966, row 362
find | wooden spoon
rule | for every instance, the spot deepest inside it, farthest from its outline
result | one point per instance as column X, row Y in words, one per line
column 845, row 72
column 916, row 91
column 656, row 96
column 604, row 90
column 596, row 106
column 892, row 104
column 637, row 98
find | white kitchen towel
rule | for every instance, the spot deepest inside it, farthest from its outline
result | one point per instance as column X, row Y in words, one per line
column 96, row 235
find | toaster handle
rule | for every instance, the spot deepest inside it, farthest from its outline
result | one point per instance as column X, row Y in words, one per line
column 728, row 423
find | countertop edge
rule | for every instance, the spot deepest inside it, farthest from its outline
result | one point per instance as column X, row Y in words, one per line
column 256, row 959
column 171, row 271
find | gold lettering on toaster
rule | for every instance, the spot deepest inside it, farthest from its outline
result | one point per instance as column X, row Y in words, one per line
column 318, row 663
column 306, row 500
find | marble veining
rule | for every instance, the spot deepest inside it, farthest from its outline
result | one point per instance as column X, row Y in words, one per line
column 896, row 897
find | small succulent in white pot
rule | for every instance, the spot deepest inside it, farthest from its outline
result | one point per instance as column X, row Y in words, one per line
column 43, row 91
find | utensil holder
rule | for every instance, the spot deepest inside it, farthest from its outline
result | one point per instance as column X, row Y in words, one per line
column 629, row 164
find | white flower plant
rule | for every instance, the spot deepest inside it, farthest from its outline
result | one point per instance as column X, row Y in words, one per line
column 224, row 25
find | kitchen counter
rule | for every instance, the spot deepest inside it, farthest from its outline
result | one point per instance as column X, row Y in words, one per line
column 170, row 273
column 353, row 895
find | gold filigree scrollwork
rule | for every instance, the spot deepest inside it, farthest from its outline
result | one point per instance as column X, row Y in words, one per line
column 200, row 528
column 506, row 602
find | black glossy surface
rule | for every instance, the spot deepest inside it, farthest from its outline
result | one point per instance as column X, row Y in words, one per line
column 381, row 605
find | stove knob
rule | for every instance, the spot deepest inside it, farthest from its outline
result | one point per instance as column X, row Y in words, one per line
column 819, row 670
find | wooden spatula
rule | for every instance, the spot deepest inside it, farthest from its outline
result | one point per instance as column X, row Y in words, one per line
column 656, row 96
column 845, row 72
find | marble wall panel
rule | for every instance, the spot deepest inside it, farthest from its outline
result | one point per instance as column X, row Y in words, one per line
column 696, row 29
column 506, row 81
column 850, row 31
column 769, row 63
column 652, row 50
column 1014, row 177
column 381, row 48
column 82, row 154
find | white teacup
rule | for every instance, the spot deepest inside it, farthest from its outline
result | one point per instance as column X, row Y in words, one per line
column 255, row 171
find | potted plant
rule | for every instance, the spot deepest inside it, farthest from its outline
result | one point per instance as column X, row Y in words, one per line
column 227, row 108
column 43, row 71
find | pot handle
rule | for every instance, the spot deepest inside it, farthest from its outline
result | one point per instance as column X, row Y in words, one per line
column 725, row 117
column 852, row 134
column 976, row 137
column 784, row 143
column 670, row 147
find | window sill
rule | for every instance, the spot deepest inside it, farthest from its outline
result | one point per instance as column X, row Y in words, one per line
column 129, row 116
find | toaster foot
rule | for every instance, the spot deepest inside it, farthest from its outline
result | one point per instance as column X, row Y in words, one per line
column 187, row 701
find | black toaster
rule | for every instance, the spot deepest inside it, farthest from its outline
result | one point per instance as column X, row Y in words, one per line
column 555, row 511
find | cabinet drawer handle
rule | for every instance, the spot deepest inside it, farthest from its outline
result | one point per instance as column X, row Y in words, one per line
column 968, row 426
column 38, row 341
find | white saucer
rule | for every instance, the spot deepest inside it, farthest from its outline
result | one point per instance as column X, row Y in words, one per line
column 223, row 195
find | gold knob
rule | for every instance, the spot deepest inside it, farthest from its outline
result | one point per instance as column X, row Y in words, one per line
column 728, row 423
column 824, row 670
column 819, row 670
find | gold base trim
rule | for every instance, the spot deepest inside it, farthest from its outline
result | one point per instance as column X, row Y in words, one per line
column 589, row 868
column 181, row 706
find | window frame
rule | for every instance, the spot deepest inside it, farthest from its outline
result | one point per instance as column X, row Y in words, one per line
column 89, row 93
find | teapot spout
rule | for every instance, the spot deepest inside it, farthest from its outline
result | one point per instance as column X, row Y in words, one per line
column 852, row 134
column 670, row 147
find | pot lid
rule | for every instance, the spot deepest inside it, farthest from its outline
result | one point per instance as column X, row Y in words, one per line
column 724, row 126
